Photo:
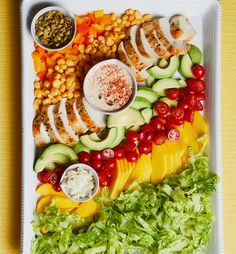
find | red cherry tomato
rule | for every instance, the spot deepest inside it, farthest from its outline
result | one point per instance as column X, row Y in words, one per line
column 179, row 122
column 198, row 106
column 131, row 156
column 183, row 104
column 188, row 115
column 173, row 93
column 149, row 136
column 162, row 108
column 181, row 93
column 177, row 113
column 110, row 166
column 119, row 152
column 198, row 71
column 56, row 186
column 47, row 177
column 200, row 96
column 132, row 136
column 173, row 135
column 129, row 146
column 84, row 157
column 156, row 124
column 196, row 85
column 170, row 124
column 159, row 138
column 146, row 127
column 104, row 179
column 107, row 154
column 190, row 100
column 163, row 119
column 145, row 147
column 142, row 136
column 187, row 91
column 95, row 155
column 59, row 171
column 97, row 164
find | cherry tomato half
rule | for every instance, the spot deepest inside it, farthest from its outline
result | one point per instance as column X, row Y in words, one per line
column 110, row 166
column 170, row 124
column 190, row 100
column 145, row 147
column 104, row 179
column 146, row 127
column 183, row 104
column 162, row 108
column 173, row 93
column 200, row 96
column 156, row 124
column 59, row 172
column 129, row 146
column 107, row 154
column 159, row 138
column 132, row 156
column 119, row 152
column 196, row 85
column 142, row 135
column 188, row 115
column 174, row 135
column 132, row 136
column 95, row 155
column 198, row 106
column 149, row 136
column 198, row 71
column 84, row 157
column 177, row 113
column 97, row 164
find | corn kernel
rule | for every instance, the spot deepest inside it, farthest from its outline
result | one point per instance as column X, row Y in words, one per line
column 118, row 20
column 54, row 101
column 113, row 17
column 57, row 67
column 50, row 71
column 127, row 24
column 37, row 85
column 38, row 93
column 81, row 48
column 46, row 92
column 64, row 67
column 59, row 97
column 95, row 43
column 61, row 61
column 134, row 22
column 109, row 42
column 56, row 83
column 117, row 29
column 46, row 101
column 137, row 14
column 70, row 63
column 54, row 91
column 65, row 94
column 124, row 17
column 114, row 48
column 122, row 35
column 131, row 18
column 147, row 17
column 88, row 49
column 62, row 88
column 46, row 84
column 70, row 95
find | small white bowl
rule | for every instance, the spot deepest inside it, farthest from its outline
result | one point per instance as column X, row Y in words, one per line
column 90, row 73
column 53, row 8
column 90, row 170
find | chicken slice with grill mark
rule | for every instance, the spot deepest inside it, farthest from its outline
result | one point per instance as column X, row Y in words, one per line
column 181, row 28
column 62, row 124
column 41, row 137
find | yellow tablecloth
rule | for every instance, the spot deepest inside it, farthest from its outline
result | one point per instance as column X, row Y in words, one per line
column 10, row 125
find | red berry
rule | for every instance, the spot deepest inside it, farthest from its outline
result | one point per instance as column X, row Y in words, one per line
column 142, row 136
column 84, row 157
column 47, row 177
column 59, row 172
column 162, row 108
column 145, row 147
column 198, row 71
column 110, row 166
column 200, row 96
column 183, row 104
column 104, row 179
column 159, row 138
column 132, row 156
column 188, row 115
column 173, row 93
column 95, row 155
column 97, row 164
column 56, row 186
column 179, row 122
column 170, row 124
column 107, row 154
column 177, row 113
column 163, row 119
column 174, row 135
column 149, row 136
column 132, row 136
column 196, row 85
column 129, row 146
column 198, row 106
column 119, row 152
column 190, row 100
column 181, row 93
column 156, row 124
column 146, row 127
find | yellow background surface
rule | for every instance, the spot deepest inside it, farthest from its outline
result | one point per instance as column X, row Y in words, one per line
column 10, row 125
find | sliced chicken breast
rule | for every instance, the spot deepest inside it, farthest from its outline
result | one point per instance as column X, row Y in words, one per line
column 48, row 119
column 162, row 29
column 74, row 118
column 135, row 57
column 143, row 46
column 41, row 137
column 125, row 59
column 181, row 28
column 153, row 40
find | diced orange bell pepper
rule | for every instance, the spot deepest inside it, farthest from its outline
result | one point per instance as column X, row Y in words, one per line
column 50, row 78
column 42, row 75
column 41, row 52
column 92, row 18
column 39, row 65
column 83, row 28
column 74, row 50
column 56, row 56
column 86, row 20
column 50, row 62
column 79, row 39
column 93, row 32
column 98, row 13
column 79, row 20
column 105, row 19
column 72, row 57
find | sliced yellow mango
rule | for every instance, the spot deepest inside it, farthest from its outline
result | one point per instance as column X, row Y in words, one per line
column 60, row 203
column 129, row 167
column 191, row 136
column 160, row 163
column 47, row 189
column 174, row 153
column 199, row 124
column 87, row 209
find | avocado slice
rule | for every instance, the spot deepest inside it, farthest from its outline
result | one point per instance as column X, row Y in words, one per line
column 195, row 54
column 150, row 80
column 163, row 63
column 147, row 114
column 186, row 65
column 94, row 136
column 162, row 84
column 47, row 162
column 140, row 103
column 128, row 117
column 80, row 147
column 120, row 136
column 147, row 93
column 171, row 103
column 159, row 73
column 100, row 145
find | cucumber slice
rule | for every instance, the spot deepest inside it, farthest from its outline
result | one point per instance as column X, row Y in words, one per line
column 195, row 54
column 182, row 83
column 80, row 148
column 166, row 72
column 140, row 103
column 162, row 84
column 186, row 66
column 147, row 114
column 150, row 80
column 171, row 103
column 163, row 63
column 147, row 93
column 100, row 145
column 128, row 117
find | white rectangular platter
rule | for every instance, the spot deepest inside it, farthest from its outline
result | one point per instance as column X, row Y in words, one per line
column 206, row 18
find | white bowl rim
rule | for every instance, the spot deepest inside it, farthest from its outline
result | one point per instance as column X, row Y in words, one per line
column 134, row 86
column 86, row 167
column 44, row 10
